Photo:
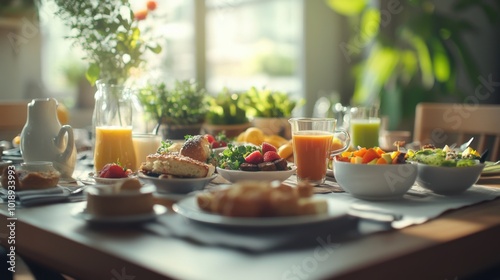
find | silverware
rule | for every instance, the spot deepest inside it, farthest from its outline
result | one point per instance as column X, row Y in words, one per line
column 463, row 146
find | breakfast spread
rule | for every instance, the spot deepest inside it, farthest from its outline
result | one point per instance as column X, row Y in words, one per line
column 122, row 199
column 262, row 199
column 445, row 157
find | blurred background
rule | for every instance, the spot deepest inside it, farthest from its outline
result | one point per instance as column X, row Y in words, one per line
column 376, row 52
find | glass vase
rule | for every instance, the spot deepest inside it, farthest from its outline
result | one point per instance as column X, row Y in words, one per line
column 112, row 125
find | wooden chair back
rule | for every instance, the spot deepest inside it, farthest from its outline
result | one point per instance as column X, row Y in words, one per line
column 13, row 115
column 447, row 123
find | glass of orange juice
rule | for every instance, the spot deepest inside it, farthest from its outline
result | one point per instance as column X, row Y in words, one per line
column 114, row 144
column 312, row 142
column 364, row 127
column 112, row 122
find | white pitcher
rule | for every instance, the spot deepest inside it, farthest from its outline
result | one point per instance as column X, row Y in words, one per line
column 44, row 139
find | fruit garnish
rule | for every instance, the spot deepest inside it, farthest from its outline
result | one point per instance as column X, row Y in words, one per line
column 114, row 170
column 372, row 156
column 266, row 147
column 270, row 156
column 254, row 158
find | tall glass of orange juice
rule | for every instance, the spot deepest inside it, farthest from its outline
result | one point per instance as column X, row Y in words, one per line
column 112, row 122
column 114, row 144
column 312, row 141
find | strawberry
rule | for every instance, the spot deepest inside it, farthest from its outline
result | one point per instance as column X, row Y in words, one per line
column 270, row 156
column 215, row 145
column 266, row 147
column 209, row 138
column 255, row 157
column 113, row 170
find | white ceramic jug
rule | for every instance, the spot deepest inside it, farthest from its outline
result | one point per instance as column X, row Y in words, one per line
column 44, row 139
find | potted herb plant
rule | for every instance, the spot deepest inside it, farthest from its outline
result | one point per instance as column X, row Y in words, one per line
column 178, row 111
column 270, row 110
column 227, row 114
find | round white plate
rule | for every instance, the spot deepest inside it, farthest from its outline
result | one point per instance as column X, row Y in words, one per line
column 188, row 208
column 176, row 185
column 80, row 213
column 238, row 175
column 105, row 181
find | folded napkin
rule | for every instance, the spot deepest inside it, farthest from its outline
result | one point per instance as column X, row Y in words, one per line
column 420, row 205
column 44, row 196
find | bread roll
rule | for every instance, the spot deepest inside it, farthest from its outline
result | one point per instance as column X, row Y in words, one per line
column 176, row 165
column 261, row 199
column 197, row 148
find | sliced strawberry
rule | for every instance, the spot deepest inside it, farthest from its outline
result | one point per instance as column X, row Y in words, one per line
column 266, row 147
column 271, row 156
column 255, row 157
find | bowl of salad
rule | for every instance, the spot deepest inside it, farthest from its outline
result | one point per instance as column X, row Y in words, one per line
column 374, row 174
column 447, row 171
column 251, row 162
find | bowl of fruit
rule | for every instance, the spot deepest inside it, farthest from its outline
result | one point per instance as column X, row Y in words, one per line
column 251, row 162
column 373, row 174
column 112, row 173
column 447, row 171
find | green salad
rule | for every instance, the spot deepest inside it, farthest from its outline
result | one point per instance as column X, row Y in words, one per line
column 445, row 157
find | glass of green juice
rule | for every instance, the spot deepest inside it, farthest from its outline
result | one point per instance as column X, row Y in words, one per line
column 364, row 127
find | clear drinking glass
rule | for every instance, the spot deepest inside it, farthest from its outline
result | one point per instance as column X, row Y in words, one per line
column 312, row 147
column 112, row 122
column 364, row 127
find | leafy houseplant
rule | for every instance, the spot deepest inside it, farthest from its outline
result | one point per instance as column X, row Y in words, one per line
column 227, row 114
column 185, row 105
column 271, row 110
column 409, row 52
column 109, row 34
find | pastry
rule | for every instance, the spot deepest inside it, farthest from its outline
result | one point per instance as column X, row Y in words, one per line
column 196, row 147
column 177, row 166
column 31, row 180
column 262, row 199
column 123, row 199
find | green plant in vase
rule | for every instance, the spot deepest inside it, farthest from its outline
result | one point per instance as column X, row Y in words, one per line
column 227, row 114
column 270, row 110
column 178, row 111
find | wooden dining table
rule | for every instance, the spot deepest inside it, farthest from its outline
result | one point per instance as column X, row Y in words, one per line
column 456, row 245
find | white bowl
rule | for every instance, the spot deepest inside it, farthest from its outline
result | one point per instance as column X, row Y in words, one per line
column 176, row 185
column 109, row 181
column 239, row 175
column 375, row 181
column 448, row 180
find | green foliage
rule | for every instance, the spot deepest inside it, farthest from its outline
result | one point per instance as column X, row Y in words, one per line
column 108, row 33
column 414, row 46
column 270, row 104
column 227, row 108
column 186, row 103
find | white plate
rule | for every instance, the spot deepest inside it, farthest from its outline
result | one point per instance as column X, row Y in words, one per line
column 188, row 208
column 108, row 181
column 238, row 175
column 490, row 169
column 80, row 213
column 176, row 185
